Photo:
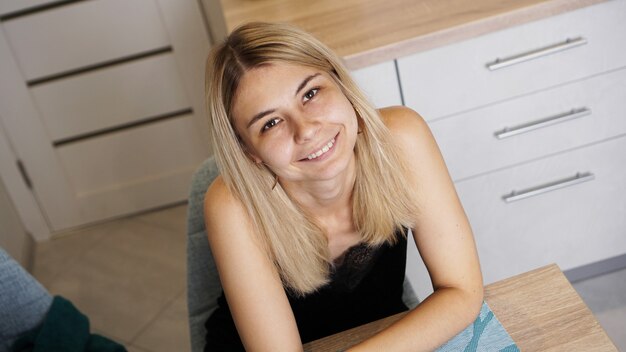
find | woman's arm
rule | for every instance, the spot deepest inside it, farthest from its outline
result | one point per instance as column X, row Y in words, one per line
column 255, row 294
column 444, row 239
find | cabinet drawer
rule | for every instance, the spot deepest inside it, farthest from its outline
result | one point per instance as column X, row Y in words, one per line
column 455, row 78
column 538, row 124
column 110, row 97
column 83, row 34
column 574, row 225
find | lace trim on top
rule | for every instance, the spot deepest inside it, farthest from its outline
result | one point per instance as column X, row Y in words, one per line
column 350, row 267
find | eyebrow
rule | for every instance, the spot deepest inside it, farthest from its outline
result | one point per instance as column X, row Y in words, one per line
column 262, row 114
column 259, row 116
column 305, row 82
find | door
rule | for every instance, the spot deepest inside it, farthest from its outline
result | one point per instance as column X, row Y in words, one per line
column 103, row 103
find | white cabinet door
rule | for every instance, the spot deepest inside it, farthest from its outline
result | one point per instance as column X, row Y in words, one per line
column 380, row 84
column 572, row 219
column 103, row 103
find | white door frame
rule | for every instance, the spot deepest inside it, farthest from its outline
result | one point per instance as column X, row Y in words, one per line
column 20, row 194
column 30, row 142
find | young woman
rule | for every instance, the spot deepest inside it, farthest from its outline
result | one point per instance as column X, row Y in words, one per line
column 317, row 189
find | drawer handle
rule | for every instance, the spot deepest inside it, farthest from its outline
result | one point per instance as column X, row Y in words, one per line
column 537, row 190
column 545, row 122
column 569, row 43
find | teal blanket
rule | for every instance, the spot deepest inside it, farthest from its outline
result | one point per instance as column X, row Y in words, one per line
column 65, row 329
column 485, row 334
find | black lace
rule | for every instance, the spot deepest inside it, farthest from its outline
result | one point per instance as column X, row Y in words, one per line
column 350, row 267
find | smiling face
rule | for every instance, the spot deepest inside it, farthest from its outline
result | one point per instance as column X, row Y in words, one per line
column 296, row 120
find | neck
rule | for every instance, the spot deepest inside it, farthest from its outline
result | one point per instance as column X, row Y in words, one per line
column 327, row 198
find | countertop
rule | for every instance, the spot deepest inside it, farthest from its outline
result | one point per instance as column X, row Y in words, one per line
column 367, row 32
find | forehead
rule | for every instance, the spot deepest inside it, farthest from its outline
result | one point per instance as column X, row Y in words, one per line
column 264, row 87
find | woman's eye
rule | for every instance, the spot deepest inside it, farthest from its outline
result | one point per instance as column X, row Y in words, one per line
column 270, row 124
column 310, row 94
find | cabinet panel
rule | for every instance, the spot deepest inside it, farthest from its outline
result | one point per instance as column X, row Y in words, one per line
column 571, row 226
column 470, row 146
column 455, row 78
column 380, row 84
column 109, row 97
column 84, row 33
column 11, row 6
column 132, row 155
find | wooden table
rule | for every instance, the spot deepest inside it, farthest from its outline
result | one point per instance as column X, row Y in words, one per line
column 539, row 309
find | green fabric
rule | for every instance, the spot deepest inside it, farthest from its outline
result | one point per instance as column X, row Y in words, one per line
column 65, row 329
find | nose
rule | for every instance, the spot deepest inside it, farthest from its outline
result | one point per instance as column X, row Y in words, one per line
column 305, row 129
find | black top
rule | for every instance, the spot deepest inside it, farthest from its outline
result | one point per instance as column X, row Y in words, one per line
column 366, row 285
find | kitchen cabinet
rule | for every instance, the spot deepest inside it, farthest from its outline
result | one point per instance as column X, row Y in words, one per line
column 550, row 122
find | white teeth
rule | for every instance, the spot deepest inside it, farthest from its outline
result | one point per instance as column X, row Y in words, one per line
column 324, row 149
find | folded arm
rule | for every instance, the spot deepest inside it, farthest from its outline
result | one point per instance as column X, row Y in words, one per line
column 444, row 239
column 253, row 289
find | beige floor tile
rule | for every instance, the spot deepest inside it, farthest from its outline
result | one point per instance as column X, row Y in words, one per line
column 58, row 254
column 169, row 331
column 123, row 282
column 173, row 218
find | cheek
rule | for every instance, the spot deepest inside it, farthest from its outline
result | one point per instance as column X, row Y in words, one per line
column 339, row 110
column 275, row 151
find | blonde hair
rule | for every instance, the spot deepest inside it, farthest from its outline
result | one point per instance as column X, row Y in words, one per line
column 293, row 240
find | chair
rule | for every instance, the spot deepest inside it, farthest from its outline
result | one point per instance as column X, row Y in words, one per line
column 203, row 283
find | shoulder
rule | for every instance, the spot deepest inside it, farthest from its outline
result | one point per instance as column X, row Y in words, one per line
column 217, row 195
column 221, row 207
column 407, row 127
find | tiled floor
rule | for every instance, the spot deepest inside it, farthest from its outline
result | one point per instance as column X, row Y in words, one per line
column 128, row 276
column 606, row 296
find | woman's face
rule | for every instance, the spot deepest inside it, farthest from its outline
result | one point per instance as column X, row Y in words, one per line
column 296, row 120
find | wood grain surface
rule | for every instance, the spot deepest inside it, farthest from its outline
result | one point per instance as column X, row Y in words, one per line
column 539, row 309
column 366, row 32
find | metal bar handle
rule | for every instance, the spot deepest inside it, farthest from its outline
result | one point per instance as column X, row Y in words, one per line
column 569, row 43
column 535, row 191
column 545, row 122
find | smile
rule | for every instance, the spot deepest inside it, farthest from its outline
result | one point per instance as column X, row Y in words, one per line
column 322, row 151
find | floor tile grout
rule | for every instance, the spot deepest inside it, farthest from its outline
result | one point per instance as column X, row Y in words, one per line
column 168, row 304
column 77, row 258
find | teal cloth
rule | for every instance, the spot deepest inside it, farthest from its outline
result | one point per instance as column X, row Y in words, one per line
column 485, row 334
column 65, row 329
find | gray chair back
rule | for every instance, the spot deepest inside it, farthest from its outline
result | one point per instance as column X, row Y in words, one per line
column 203, row 282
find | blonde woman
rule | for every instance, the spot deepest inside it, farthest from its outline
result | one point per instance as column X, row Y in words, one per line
column 308, row 219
